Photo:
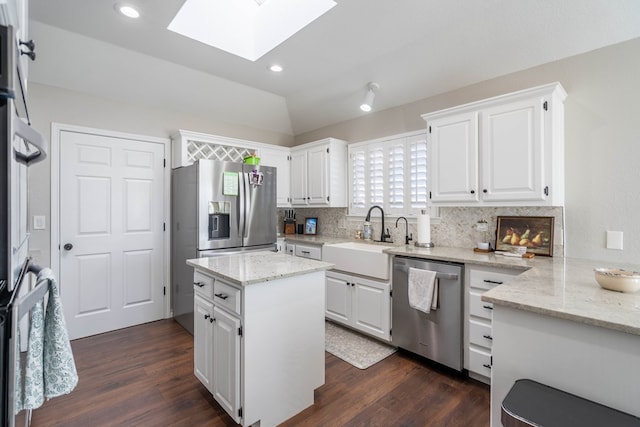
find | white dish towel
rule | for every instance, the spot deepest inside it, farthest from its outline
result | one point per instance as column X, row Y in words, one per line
column 423, row 290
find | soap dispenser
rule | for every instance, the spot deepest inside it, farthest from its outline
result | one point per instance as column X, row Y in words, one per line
column 367, row 230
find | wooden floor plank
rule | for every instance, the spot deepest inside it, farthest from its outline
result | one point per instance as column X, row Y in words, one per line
column 143, row 376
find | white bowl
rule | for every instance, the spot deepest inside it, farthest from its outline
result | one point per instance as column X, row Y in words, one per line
column 619, row 280
column 483, row 246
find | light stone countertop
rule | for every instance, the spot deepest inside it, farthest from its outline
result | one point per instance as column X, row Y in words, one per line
column 316, row 240
column 257, row 267
column 559, row 287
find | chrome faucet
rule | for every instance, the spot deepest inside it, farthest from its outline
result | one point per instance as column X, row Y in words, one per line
column 383, row 236
column 406, row 230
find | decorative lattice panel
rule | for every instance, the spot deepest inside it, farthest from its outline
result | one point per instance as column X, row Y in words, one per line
column 197, row 150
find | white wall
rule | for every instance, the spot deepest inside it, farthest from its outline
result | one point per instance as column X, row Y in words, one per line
column 602, row 140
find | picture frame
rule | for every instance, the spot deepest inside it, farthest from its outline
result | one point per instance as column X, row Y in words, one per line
column 534, row 232
column 311, row 226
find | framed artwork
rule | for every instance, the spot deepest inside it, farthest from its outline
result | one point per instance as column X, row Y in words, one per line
column 311, row 226
column 533, row 232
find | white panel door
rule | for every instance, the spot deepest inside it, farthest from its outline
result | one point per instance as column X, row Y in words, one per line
column 299, row 177
column 317, row 178
column 372, row 307
column 338, row 298
column 226, row 362
column 111, row 232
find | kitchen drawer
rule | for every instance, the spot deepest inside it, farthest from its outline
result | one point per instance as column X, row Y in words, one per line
column 479, row 308
column 480, row 334
column 227, row 296
column 313, row 252
column 203, row 285
column 487, row 279
column 480, row 362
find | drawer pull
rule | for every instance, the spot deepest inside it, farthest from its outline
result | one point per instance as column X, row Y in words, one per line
column 493, row 281
column 222, row 296
column 199, row 284
column 486, row 365
column 488, row 307
column 305, row 252
column 489, row 337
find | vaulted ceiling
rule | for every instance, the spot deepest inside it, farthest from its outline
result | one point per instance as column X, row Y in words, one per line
column 412, row 48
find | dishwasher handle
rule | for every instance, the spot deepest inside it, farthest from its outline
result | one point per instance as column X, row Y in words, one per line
column 439, row 275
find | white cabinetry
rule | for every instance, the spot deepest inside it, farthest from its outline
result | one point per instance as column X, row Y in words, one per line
column 507, row 150
column 318, row 174
column 308, row 251
column 478, row 337
column 279, row 158
column 359, row 303
column 217, row 334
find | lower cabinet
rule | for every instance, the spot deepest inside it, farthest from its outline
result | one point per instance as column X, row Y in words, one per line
column 217, row 348
column 362, row 304
column 478, row 335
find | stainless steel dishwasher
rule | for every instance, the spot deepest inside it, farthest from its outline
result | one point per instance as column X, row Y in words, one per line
column 436, row 335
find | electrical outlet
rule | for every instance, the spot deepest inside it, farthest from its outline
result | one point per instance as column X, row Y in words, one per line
column 614, row 240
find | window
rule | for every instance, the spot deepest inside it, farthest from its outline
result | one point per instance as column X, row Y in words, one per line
column 391, row 172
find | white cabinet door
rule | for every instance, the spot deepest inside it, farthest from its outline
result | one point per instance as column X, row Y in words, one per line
column 299, row 177
column 338, row 298
column 203, row 341
column 279, row 158
column 512, row 150
column 453, row 142
column 317, row 175
column 226, row 362
column 371, row 307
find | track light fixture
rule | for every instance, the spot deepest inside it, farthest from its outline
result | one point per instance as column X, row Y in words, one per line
column 368, row 98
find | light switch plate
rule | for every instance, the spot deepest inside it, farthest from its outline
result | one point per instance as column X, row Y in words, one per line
column 614, row 240
column 39, row 222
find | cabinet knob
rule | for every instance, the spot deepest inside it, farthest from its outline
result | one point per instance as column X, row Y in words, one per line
column 212, row 319
column 206, row 316
column 473, row 191
column 68, row 246
column 485, row 191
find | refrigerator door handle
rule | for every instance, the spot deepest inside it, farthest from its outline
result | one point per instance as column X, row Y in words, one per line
column 247, row 207
column 242, row 209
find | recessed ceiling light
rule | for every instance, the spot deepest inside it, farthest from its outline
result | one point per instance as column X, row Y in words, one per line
column 128, row 11
column 276, row 68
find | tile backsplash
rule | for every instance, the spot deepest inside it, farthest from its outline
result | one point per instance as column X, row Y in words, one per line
column 454, row 227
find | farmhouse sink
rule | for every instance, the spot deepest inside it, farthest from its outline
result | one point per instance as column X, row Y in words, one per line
column 366, row 259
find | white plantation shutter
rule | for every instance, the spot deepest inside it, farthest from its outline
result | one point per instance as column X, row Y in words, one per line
column 392, row 173
column 376, row 176
column 358, row 182
column 418, row 189
column 396, row 176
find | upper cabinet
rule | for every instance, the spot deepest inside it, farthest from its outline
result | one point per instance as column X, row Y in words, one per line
column 318, row 174
column 279, row 157
column 503, row 151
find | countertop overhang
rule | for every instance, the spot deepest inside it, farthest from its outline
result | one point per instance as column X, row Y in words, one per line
column 257, row 267
column 559, row 287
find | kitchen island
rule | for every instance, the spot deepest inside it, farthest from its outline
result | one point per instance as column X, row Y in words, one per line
column 259, row 333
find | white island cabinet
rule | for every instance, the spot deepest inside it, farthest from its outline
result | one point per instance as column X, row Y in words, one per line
column 259, row 333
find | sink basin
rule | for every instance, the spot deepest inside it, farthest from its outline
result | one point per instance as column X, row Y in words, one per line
column 366, row 259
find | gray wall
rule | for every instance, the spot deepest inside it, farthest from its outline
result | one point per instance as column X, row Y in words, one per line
column 602, row 146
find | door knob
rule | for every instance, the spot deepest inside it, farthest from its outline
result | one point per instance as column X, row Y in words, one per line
column 68, row 246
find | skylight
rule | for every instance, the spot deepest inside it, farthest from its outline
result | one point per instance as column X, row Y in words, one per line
column 247, row 28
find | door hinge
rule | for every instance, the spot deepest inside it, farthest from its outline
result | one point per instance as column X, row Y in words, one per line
column 429, row 129
column 545, row 105
column 164, row 226
column 164, row 163
column 391, row 293
column 546, row 190
column 429, row 194
column 240, row 412
column 164, row 290
column 327, row 151
column 240, row 331
column 390, row 331
column 327, row 198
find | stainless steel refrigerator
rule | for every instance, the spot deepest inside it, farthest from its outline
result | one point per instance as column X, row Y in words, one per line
column 218, row 208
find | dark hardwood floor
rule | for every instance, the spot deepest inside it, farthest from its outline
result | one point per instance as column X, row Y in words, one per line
column 143, row 376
